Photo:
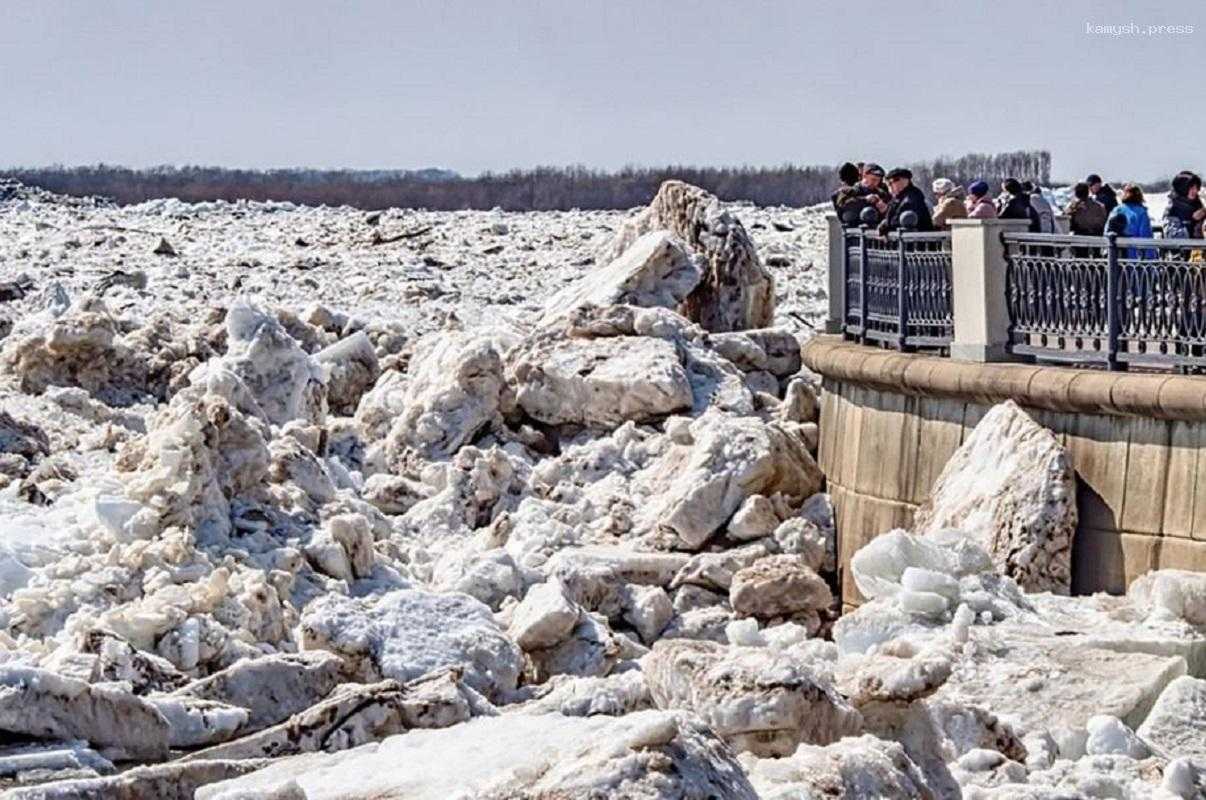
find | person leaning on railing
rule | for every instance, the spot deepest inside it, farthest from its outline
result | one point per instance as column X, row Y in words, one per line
column 948, row 203
column 1129, row 219
column 979, row 204
column 905, row 198
column 1086, row 216
column 1015, row 204
column 1184, row 213
column 848, row 176
column 865, row 191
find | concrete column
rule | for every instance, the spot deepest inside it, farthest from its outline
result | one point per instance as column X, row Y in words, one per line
column 837, row 291
column 1063, row 224
column 978, row 291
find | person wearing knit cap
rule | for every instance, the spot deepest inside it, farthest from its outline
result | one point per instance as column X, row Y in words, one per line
column 873, row 181
column 979, row 204
column 948, row 203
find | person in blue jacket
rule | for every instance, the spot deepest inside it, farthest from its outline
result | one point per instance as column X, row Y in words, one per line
column 1129, row 219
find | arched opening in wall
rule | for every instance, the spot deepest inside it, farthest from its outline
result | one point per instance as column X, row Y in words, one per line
column 1097, row 558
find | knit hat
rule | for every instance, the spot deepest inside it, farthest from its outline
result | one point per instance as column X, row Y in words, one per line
column 979, row 188
column 900, row 172
column 943, row 186
column 873, row 169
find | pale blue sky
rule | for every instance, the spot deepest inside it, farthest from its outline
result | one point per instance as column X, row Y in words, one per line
column 491, row 85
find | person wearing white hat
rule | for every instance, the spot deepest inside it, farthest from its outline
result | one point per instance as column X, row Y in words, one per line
column 948, row 203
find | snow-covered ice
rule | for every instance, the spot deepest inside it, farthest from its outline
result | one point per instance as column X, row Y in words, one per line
column 306, row 503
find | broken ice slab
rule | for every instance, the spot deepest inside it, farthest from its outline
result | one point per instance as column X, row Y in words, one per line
column 52, row 757
column 1043, row 681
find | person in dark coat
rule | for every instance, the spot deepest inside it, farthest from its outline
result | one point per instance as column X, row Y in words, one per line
column 1184, row 213
column 1086, row 216
column 1102, row 192
column 869, row 192
column 847, row 200
column 848, row 176
column 1015, row 204
column 905, row 197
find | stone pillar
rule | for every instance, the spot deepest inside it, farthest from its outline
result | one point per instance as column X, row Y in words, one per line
column 837, row 292
column 1063, row 224
column 978, row 290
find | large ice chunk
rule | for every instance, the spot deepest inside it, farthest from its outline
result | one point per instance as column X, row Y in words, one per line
column 656, row 270
column 865, row 766
column 879, row 567
column 757, row 699
column 601, row 382
column 736, row 292
column 1171, row 594
column 697, row 487
column 286, row 382
column 1176, row 725
column 43, row 704
column 407, row 633
column 1011, row 486
column 649, row 754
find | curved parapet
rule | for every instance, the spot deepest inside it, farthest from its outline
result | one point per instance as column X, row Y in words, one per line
column 890, row 421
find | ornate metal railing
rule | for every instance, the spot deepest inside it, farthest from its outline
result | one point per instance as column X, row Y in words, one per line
column 898, row 288
column 1112, row 301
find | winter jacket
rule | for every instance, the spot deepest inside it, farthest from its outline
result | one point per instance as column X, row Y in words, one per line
column 951, row 206
column 981, row 208
column 849, row 201
column 1131, row 221
column 1107, row 197
column 1017, row 206
column 1086, row 217
column 1178, row 217
column 1045, row 213
column 910, row 199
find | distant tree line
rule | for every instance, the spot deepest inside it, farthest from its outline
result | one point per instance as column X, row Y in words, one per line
column 542, row 188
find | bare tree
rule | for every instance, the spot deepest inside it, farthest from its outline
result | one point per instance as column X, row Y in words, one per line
column 542, row 188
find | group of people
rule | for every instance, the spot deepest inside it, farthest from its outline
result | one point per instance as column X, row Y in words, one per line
column 869, row 196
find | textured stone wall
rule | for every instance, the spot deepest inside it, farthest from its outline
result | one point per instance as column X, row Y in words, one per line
column 890, row 421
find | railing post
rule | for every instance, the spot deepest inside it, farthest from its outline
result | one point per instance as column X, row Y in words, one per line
column 979, row 299
column 902, row 308
column 1113, row 318
column 862, row 284
column 839, row 299
column 845, row 284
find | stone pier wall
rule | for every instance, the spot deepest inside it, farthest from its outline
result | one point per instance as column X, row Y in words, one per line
column 890, row 421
